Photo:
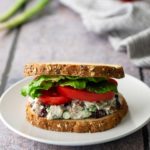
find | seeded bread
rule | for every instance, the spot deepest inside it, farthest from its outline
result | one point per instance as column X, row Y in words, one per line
column 82, row 70
column 84, row 125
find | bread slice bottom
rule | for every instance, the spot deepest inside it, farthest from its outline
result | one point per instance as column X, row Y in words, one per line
column 80, row 126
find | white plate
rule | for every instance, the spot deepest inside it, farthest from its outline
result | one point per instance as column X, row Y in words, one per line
column 137, row 94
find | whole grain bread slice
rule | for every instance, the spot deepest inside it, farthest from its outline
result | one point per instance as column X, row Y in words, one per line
column 81, row 126
column 70, row 69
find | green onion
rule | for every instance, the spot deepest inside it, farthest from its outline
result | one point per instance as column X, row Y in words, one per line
column 18, row 4
column 25, row 16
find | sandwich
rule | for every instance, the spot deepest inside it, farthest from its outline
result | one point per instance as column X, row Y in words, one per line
column 74, row 97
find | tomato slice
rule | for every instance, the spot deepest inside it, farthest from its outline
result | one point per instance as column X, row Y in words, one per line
column 62, row 95
column 84, row 95
column 113, row 81
column 55, row 100
column 51, row 97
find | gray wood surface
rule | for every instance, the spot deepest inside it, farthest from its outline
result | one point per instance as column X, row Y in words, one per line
column 59, row 35
column 6, row 39
column 146, row 77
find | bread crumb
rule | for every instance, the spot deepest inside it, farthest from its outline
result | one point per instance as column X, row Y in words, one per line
column 92, row 74
column 58, row 125
column 66, row 126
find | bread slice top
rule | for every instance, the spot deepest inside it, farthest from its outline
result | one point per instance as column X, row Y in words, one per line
column 70, row 69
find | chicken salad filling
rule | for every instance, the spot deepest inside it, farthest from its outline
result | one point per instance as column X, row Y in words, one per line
column 76, row 109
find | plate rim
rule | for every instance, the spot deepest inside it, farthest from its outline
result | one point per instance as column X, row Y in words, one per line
column 65, row 143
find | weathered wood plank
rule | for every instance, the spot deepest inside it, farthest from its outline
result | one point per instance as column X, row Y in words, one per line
column 146, row 75
column 6, row 43
column 6, row 39
column 60, row 36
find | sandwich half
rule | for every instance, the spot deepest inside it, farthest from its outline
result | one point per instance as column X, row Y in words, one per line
column 74, row 97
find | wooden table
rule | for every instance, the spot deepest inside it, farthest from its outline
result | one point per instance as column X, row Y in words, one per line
column 59, row 35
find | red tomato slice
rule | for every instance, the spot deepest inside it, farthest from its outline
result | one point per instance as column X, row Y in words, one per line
column 84, row 95
column 112, row 81
column 57, row 100
column 50, row 97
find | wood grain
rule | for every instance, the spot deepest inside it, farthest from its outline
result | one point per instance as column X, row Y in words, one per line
column 146, row 77
column 6, row 39
column 6, row 44
column 60, row 36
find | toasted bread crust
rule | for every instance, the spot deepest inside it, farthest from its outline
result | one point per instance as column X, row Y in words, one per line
column 80, row 126
column 82, row 70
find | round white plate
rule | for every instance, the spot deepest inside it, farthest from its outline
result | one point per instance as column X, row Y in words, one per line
column 137, row 94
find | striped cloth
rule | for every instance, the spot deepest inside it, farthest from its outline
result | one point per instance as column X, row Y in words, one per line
column 126, row 24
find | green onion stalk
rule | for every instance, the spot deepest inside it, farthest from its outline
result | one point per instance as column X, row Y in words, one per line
column 18, row 4
column 25, row 16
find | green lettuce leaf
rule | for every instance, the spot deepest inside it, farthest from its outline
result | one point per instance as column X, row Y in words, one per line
column 77, row 84
column 73, row 77
column 96, row 85
column 41, row 83
column 95, row 80
column 24, row 90
column 102, row 87
column 90, row 79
